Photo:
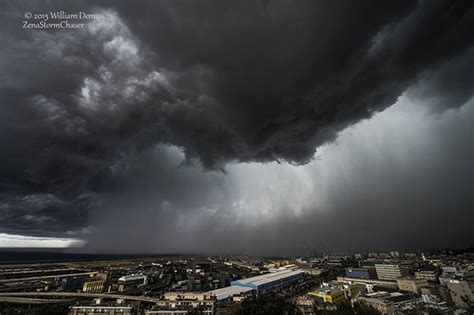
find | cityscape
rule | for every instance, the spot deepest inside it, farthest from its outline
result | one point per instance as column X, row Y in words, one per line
column 239, row 157
column 392, row 282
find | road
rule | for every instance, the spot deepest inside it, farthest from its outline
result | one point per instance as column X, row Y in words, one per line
column 47, row 277
column 79, row 295
column 24, row 300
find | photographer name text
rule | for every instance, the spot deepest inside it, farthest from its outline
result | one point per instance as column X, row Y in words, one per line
column 58, row 19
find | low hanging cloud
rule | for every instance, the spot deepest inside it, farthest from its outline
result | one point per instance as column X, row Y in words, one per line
column 255, row 82
column 393, row 172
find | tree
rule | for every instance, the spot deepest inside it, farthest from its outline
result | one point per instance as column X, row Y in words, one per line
column 265, row 305
column 195, row 311
column 360, row 307
column 348, row 308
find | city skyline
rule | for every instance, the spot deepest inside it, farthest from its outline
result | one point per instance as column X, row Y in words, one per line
column 256, row 127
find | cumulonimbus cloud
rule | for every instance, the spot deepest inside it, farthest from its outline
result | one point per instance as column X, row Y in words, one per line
column 245, row 83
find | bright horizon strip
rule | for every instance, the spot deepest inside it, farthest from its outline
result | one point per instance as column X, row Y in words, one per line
column 18, row 241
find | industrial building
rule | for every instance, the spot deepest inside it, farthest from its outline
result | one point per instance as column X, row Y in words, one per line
column 70, row 284
column 131, row 282
column 133, row 278
column 232, row 292
column 258, row 284
column 269, row 281
column 93, row 286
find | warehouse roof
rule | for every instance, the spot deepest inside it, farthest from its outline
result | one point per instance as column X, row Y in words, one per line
column 266, row 278
column 249, row 284
column 227, row 292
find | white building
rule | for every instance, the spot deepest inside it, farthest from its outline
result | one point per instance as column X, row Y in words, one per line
column 388, row 271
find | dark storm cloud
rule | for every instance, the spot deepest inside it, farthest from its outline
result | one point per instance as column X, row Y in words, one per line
column 389, row 182
column 242, row 82
column 450, row 86
column 287, row 78
column 44, row 214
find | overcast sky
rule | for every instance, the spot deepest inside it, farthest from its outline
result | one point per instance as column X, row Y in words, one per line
column 250, row 127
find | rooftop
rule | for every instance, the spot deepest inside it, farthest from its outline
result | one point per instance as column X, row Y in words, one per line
column 227, row 292
column 266, row 278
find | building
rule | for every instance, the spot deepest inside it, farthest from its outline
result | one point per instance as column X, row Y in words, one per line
column 462, row 292
column 379, row 255
column 372, row 282
column 329, row 295
column 232, row 293
column 388, row 271
column 70, row 284
column 270, row 281
column 384, row 307
column 174, row 303
column 100, row 308
column 449, row 269
column 131, row 282
column 93, row 286
column 411, row 285
column 338, row 257
column 361, row 273
column 259, row 284
column 401, row 300
column 139, row 279
column 436, row 295
column 335, row 292
column 428, row 273
column 445, row 278
column 305, row 305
